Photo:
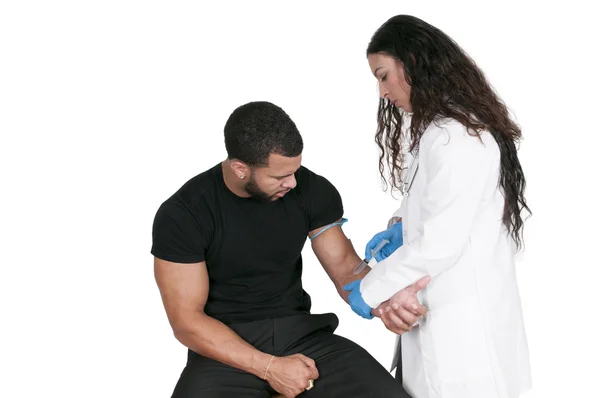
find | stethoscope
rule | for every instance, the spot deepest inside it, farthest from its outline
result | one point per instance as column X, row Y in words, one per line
column 406, row 185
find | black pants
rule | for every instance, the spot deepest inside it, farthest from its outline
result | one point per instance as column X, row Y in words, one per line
column 398, row 364
column 345, row 369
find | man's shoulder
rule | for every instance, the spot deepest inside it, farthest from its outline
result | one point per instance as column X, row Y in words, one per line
column 308, row 180
column 319, row 198
column 193, row 197
column 196, row 187
column 314, row 187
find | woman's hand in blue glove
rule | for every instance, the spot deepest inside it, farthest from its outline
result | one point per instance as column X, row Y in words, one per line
column 393, row 234
column 356, row 301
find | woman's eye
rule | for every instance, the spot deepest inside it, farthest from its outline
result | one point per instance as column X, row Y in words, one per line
column 384, row 77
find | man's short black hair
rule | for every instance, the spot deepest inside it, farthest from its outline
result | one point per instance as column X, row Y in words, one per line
column 258, row 129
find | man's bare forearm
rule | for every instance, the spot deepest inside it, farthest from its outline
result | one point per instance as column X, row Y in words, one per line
column 345, row 273
column 213, row 339
column 346, row 277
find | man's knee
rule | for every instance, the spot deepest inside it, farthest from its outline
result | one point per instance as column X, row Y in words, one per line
column 352, row 371
column 383, row 384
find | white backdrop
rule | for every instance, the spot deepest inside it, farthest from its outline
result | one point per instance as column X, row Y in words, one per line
column 106, row 108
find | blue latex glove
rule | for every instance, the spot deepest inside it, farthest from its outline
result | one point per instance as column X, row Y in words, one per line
column 393, row 234
column 357, row 303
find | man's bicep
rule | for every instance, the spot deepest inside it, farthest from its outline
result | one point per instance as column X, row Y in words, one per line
column 183, row 289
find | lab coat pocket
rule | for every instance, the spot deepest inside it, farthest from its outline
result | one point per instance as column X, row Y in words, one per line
column 453, row 344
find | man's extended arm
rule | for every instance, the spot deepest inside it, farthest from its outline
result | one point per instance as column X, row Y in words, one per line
column 338, row 257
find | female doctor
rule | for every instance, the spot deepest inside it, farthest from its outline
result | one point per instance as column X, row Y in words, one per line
column 449, row 144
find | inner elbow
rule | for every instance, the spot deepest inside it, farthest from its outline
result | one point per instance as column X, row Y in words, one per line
column 185, row 328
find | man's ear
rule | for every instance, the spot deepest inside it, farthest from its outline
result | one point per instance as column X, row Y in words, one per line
column 240, row 169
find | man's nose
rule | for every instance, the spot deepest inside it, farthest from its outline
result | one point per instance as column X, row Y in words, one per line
column 289, row 183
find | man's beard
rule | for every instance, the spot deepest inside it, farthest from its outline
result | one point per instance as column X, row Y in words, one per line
column 255, row 192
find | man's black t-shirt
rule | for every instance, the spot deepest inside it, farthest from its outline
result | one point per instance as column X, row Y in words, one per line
column 252, row 249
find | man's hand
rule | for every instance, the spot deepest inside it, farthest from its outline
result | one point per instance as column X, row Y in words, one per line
column 290, row 375
column 400, row 313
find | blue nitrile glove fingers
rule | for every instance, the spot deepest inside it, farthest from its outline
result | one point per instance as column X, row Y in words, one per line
column 356, row 301
column 393, row 234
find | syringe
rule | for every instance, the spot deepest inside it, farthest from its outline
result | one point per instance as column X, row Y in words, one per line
column 364, row 262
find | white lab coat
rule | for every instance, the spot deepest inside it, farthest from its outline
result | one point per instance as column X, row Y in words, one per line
column 472, row 342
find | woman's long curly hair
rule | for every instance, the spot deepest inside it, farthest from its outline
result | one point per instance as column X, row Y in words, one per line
column 445, row 82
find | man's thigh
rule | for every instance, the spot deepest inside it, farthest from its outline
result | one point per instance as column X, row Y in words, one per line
column 206, row 378
column 346, row 369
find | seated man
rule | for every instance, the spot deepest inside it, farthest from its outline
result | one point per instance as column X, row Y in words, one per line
column 228, row 264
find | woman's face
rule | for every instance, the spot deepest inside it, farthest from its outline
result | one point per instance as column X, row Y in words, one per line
column 392, row 82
